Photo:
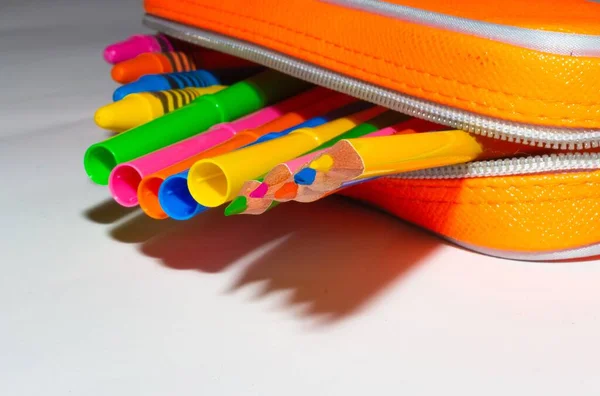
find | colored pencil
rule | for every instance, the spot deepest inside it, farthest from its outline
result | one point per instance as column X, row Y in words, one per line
column 176, row 200
column 287, row 191
column 215, row 181
column 382, row 125
column 259, row 194
column 362, row 158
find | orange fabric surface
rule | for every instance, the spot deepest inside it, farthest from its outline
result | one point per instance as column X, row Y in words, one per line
column 536, row 213
column 457, row 70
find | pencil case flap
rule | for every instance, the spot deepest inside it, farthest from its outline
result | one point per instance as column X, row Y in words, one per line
column 528, row 62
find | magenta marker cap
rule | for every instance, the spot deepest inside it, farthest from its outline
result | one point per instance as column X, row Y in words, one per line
column 136, row 45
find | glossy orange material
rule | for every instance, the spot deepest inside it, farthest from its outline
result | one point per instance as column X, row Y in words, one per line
column 454, row 69
column 536, row 213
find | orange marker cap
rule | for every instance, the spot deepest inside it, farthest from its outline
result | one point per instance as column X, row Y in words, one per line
column 132, row 69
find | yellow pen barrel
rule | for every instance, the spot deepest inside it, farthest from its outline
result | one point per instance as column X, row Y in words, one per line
column 215, row 181
column 402, row 153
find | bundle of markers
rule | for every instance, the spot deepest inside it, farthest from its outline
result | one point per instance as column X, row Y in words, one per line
column 197, row 129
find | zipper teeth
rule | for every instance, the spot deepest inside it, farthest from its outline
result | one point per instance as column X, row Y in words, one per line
column 508, row 167
column 548, row 137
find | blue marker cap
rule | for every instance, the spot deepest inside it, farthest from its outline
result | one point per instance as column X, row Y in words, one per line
column 175, row 198
column 148, row 83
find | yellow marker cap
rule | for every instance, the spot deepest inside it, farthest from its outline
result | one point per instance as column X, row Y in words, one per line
column 129, row 112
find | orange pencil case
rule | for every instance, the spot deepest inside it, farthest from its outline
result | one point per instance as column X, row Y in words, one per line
column 524, row 72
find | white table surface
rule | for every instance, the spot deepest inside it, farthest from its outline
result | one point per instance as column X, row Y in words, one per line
column 99, row 300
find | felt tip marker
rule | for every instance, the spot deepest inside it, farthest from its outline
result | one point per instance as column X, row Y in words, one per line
column 196, row 78
column 140, row 108
column 125, row 178
column 150, row 184
column 236, row 101
column 180, row 201
column 169, row 62
column 138, row 44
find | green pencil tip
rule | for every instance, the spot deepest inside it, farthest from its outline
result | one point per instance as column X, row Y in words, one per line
column 273, row 204
column 237, row 206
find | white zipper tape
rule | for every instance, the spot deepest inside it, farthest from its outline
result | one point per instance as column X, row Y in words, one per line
column 558, row 43
column 567, row 254
column 563, row 162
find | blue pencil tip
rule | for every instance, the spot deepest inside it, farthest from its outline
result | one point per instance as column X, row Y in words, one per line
column 305, row 177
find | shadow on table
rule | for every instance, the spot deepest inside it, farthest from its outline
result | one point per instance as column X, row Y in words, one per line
column 333, row 255
column 107, row 212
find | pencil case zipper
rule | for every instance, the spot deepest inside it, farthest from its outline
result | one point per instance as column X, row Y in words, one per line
column 541, row 136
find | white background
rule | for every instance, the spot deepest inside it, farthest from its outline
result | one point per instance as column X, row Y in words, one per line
column 99, row 300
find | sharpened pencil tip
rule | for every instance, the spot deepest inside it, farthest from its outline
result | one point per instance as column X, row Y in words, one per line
column 287, row 191
column 322, row 164
column 305, row 177
column 260, row 191
column 237, row 206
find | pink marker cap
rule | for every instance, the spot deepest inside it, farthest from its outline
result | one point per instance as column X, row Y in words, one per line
column 136, row 45
column 125, row 178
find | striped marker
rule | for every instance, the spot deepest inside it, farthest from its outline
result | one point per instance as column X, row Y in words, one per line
column 196, row 78
column 140, row 108
column 173, row 61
